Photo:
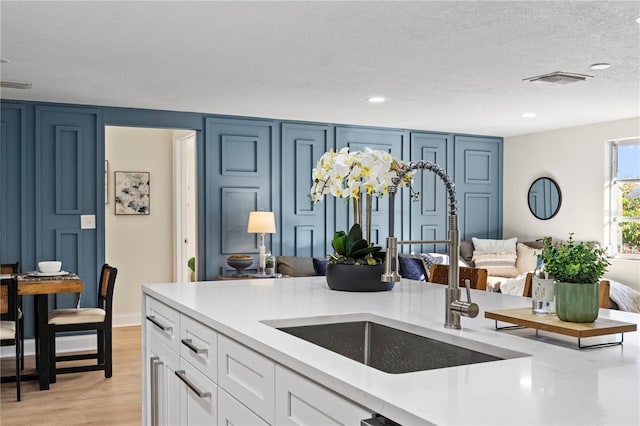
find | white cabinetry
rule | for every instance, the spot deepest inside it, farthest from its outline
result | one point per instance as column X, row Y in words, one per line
column 181, row 369
column 195, row 376
column 299, row 401
column 162, row 385
column 232, row 412
column 247, row 376
column 198, row 403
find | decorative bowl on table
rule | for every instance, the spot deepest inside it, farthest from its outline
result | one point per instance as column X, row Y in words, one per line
column 239, row 262
column 49, row 267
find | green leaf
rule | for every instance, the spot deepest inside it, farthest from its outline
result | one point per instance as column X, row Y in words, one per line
column 365, row 251
column 339, row 242
column 355, row 236
column 356, row 247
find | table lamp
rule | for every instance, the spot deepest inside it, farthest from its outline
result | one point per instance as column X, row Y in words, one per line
column 261, row 223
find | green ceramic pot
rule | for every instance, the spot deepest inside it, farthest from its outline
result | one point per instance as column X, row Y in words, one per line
column 577, row 302
column 345, row 277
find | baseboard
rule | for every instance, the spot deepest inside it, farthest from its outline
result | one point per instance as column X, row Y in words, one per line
column 83, row 342
column 126, row 320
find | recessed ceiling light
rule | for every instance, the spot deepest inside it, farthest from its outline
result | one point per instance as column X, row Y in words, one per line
column 528, row 115
column 376, row 99
column 638, row 19
column 600, row 66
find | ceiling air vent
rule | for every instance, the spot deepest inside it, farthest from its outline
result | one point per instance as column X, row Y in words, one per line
column 559, row 77
column 15, row 84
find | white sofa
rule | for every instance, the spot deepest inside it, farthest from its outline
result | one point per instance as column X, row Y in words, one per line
column 526, row 259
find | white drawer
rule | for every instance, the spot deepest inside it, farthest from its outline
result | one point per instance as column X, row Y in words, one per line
column 199, row 345
column 231, row 412
column 198, row 396
column 247, row 376
column 300, row 401
column 163, row 323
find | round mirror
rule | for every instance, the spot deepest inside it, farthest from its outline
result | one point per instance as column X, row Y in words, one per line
column 544, row 198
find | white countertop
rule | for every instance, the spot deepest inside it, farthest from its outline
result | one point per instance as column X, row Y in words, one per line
column 557, row 384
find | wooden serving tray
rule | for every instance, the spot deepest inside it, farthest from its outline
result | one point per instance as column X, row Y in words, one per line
column 525, row 318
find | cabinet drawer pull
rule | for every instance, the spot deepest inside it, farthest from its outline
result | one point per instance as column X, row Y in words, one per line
column 182, row 376
column 153, row 319
column 189, row 343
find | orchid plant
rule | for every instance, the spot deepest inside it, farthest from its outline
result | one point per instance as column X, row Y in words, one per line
column 357, row 176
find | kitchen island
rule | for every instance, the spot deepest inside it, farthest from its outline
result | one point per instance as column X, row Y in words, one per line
column 554, row 382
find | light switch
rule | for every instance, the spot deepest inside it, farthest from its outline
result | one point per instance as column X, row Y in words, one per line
column 88, row 221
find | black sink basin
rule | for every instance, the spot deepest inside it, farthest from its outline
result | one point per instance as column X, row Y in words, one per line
column 394, row 350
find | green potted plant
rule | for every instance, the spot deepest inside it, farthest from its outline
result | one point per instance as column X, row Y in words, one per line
column 357, row 177
column 576, row 269
column 355, row 265
column 191, row 263
column 269, row 265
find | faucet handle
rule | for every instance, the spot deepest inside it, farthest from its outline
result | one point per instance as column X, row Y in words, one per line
column 468, row 308
column 467, row 285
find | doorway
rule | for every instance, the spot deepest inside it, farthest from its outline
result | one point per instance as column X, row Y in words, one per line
column 185, row 216
column 150, row 248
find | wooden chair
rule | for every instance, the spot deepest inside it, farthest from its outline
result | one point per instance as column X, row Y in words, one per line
column 477, row 276
column 77, row 319
column 14, row 268
column 9, row 323
column 10, row 268
column 603, row 290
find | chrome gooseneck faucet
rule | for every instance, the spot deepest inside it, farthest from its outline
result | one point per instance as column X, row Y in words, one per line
column 454, row 307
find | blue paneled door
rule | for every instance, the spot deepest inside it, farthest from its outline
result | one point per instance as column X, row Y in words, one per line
column 304, row 230
column 241, row 162
column 66, row 187
column 358, row 139
column 478, row 179
column 429, row 212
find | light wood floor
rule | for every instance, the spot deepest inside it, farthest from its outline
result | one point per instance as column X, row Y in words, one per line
column 81, row 398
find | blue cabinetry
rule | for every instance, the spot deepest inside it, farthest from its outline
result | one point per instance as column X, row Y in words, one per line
column 306, row 227
column 240, row 173
column 13, row 188
column 478, row 179
column 428, row 218
column 359, row 139
column 51, row 173
column 49, row 178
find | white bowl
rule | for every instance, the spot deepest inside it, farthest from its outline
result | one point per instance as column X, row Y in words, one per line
column 50, row 266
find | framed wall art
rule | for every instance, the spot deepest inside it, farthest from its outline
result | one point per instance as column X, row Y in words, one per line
column 132, row 193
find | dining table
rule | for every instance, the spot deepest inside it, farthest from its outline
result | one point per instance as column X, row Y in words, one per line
column 41, row 286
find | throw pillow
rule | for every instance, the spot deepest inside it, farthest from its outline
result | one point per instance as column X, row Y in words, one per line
column 500, row 264
column 494, row 246
column 294, row 266
column 320, row 266
column 412, row 267
column 527, row 258
column 433, row 258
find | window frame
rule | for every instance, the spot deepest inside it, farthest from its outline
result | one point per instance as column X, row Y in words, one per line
column 614, row 217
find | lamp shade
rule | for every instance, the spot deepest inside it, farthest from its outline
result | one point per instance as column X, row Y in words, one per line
column 261, row 223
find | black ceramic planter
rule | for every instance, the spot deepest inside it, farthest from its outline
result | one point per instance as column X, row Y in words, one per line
column 345, row 277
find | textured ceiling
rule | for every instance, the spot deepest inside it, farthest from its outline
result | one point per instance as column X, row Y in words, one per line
column 444, row 66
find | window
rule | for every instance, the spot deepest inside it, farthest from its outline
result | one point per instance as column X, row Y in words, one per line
column 625, row 199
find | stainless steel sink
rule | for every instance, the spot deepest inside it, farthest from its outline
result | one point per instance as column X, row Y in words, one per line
column 392, row 349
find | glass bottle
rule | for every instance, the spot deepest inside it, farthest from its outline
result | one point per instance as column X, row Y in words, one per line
column 542, row 291
column 269, row 262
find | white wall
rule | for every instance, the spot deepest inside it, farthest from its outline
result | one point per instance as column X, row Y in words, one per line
column 576, row 158
column 141, row 247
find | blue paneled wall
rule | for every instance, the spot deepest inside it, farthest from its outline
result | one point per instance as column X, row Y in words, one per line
column 51, row 173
